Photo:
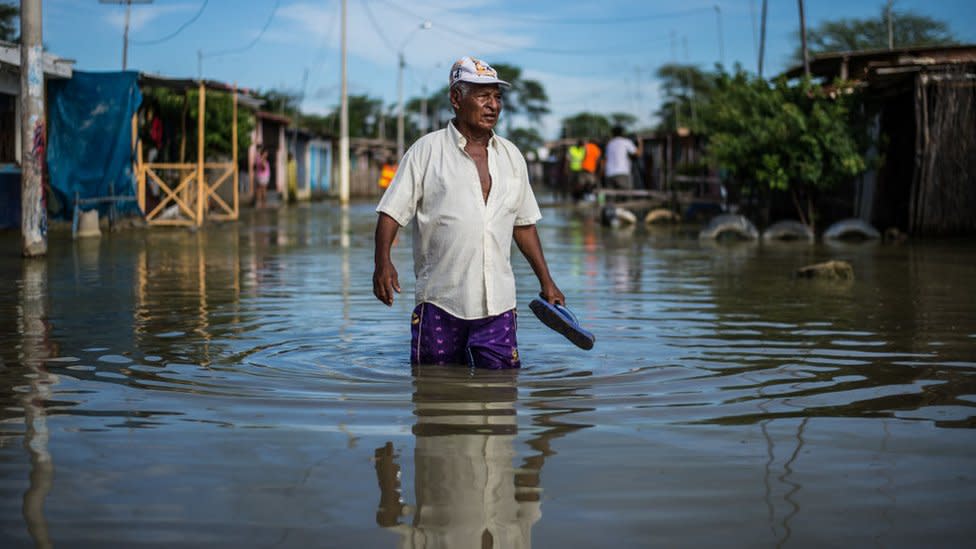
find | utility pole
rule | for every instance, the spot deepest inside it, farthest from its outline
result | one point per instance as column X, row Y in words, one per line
column 344, row 123
column 891, row 25
column 33, row 132
column 755, row 36
column 803, row 41
column 125, row 32
column 401, row 64
column 762, row 38
column 721, row 41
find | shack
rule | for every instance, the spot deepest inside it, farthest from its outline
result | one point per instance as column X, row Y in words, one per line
column 55, row 68
column 922, row 105
column 313, row 162
column 177, row 186
column 366, row 156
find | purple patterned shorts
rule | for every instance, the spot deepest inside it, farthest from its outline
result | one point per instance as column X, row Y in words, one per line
column 438, row 337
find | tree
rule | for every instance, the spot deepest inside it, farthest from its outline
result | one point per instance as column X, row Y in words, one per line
column 365, row 115
column 280, row 101
column 791, row 138
column 179, row 111
column 526, row 139
column 526, row 97
column 908, row 29
column 623, row 119
column 9, row 15
column 587, row 125
column 686, row 88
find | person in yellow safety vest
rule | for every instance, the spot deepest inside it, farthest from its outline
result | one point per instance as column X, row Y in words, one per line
column 387, row 172
column 574, row 160
column 575, row 155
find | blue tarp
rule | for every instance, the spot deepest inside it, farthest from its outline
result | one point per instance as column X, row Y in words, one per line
column 90, row 135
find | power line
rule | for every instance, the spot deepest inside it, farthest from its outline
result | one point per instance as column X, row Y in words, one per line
column 376, row 27
column 174, row 33
column 620, row 49
column 584, row 20
column 252, row 42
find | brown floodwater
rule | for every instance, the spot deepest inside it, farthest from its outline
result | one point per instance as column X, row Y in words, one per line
column 239, row 386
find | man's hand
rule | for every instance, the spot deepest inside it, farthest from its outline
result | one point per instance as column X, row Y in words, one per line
column 385, row 282
column 385, row 278
column 552, row 294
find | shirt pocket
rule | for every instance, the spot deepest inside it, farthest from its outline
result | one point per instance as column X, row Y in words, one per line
column 509, row 197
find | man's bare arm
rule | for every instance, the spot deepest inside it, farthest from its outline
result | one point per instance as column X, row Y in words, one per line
column 527, row 239
column 385, row 278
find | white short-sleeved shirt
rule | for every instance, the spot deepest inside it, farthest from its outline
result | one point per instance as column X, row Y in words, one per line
column 618, row 154
column 461, row 245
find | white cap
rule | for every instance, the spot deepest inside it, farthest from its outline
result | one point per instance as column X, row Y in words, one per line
column 469, row 69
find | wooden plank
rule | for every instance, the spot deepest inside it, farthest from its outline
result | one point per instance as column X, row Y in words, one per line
column 172, row 195
column 171, row 166
column 140, row 178
column 172, row 222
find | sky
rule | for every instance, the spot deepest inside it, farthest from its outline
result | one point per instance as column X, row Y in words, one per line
column 591, row 56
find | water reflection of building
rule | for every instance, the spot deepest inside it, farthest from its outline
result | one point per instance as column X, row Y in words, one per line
column 467, row 491
column 180, row 280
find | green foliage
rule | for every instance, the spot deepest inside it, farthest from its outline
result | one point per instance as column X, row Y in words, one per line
column 686, row 89
column 182, row 114
column 623, row 119
column 587, row 125
column 365, row 115
column 793, row 138
column 526, row 96
column 9, row 15
column 526, row 139
column 908, row 29
column 280, row 101
column 219, row 123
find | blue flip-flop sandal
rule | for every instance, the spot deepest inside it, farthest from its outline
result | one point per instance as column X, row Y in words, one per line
column 562, row 320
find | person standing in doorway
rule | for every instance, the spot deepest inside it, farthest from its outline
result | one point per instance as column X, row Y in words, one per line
column 620, row 151
column 262, row 172
column 467, row 192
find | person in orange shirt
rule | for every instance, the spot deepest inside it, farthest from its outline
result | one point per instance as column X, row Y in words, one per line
column 387, row 172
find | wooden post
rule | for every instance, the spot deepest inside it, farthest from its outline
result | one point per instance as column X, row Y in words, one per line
column 233, row 146
column 137, row 164
column 344, row 122
column 201, row 183
column 803, row 40
column 33, row 214
column 140, row 179
column 186, row 108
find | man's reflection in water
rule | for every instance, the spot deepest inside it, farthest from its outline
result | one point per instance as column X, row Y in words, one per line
column 468, row 493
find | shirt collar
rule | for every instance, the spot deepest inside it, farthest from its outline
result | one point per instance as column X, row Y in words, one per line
column 458, row 139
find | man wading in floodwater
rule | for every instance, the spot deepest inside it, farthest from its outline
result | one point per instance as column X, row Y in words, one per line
column 468, row 191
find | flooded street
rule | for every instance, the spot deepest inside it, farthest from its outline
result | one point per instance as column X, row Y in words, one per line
column 241, row 386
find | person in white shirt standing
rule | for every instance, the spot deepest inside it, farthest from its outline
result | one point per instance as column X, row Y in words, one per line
column 619, row 152
column 467, row 191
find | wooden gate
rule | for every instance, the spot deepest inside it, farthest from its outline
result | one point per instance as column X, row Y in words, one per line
column 194, row 196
